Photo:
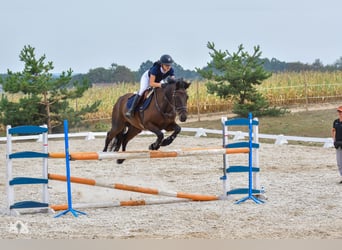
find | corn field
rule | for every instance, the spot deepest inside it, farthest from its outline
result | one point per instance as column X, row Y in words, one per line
column 281, row 90
column 284, row 89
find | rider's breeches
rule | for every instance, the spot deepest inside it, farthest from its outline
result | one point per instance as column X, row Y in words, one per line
column 144, row 83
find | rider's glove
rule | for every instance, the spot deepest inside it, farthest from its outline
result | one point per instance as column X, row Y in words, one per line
column 163, row 83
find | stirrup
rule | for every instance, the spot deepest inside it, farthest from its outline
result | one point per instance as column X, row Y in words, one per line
column 128, row 114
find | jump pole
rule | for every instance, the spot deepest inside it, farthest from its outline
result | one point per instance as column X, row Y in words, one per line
column 148, row 154
column 152, row 191
column 129, row 203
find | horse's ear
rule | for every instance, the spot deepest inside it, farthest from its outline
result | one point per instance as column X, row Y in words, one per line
column 180, row 83
column 170, row 80
column 187, row 84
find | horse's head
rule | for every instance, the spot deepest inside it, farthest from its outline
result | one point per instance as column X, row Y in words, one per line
column 180, row 98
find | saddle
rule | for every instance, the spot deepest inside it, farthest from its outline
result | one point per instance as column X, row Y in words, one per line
column 144, row 100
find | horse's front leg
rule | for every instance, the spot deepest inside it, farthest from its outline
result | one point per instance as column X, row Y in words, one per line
column 156, row 145
column 176, row 130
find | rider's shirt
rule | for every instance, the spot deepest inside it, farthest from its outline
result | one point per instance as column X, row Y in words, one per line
column 158, row 72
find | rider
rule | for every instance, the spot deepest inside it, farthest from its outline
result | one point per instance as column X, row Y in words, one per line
column 154, row 77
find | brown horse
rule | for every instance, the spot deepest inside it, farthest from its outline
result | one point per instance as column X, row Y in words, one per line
column 160, row 115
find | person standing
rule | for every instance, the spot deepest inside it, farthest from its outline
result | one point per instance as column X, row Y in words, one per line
column 154, row 78
column 336, row 133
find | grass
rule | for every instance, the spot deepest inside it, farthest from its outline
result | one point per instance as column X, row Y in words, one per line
column 316, row 123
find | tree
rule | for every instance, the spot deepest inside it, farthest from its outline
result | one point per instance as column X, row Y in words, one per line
column 235, row 76
column 338, row 63
column 115, row 74
column 45, row 99
column 143, row 67
column 317, row 65
column 274, row 65
column 100, row 75
column 123, row 74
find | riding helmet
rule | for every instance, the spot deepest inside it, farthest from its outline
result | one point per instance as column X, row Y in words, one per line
column 166, row 59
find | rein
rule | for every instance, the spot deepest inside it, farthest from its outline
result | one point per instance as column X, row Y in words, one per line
column 170, row 114
column 171, row 103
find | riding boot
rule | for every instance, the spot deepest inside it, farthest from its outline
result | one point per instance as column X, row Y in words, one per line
column 130, row 111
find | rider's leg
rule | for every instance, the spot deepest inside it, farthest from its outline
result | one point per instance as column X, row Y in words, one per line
column 144, row 82
column 130, row 111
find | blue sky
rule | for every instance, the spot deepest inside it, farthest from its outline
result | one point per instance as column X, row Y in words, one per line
column 86, row 34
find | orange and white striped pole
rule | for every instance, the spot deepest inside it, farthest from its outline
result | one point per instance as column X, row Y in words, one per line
column 153, row 191
column 129, row 203
column 148, row 154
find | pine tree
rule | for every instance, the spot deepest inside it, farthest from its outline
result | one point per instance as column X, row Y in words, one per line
column 235, row 76
column 44, row 98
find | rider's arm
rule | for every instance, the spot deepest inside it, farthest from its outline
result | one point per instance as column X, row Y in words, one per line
column 333, row 133
column 153, row 82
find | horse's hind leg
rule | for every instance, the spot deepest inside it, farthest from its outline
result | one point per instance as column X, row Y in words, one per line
column 109, row 139
column 118, row 123
column 117, row 141
column 129, row 135
column 113, row 138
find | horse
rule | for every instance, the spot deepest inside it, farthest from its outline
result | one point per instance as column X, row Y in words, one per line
column 165, row 104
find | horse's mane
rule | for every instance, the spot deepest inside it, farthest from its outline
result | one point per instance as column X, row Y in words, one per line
column 179, row 83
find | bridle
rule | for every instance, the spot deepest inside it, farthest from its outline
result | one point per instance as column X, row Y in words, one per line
column 172, row 102
column 179, row 108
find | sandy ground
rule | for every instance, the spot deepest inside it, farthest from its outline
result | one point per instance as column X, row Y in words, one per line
column 301, row 184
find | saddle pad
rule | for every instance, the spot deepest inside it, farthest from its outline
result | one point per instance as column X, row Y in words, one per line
column 144, row 106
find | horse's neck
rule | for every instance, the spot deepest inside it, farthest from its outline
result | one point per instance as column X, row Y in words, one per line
column 164, row 99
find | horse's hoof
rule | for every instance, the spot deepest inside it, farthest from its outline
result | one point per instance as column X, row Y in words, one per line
column 120, row 161
column 153, row 147
column 166, row 142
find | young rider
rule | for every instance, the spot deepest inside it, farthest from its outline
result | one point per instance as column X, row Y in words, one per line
column 153, row 78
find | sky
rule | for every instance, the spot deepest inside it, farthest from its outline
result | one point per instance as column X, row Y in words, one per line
column 87, row 34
